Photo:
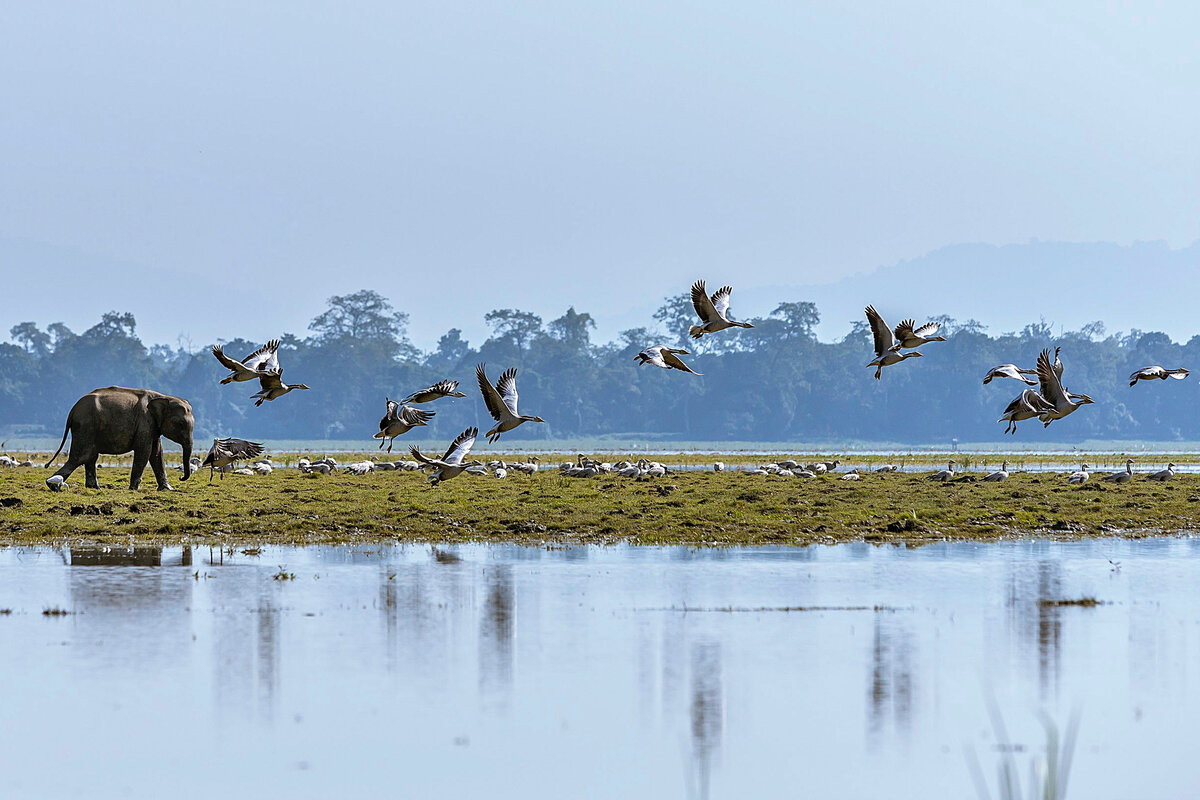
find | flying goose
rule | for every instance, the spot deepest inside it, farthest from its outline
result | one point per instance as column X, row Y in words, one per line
column 1010, row 371
column 431, row 393
column 885, row 344
column 271, row 386
column 1161, row 373
column 264, row 359
column 1027, row 405
column 1124, row 476
column 1062, row 401
column 400, row 420
column 713, row 311
column 451, row 464
column 909, row 337
column 501, row 402
column 225, row 452
column 999, row 475
column 665, row 357
column 1081, row 476
column 1163, row 475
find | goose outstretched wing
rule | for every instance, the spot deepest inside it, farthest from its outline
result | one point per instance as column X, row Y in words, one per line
column 507, row 387
column 491, row 397
column 1050, row 380
column 461, row 446
column 720, row 301
column 884, row 340
column 668, row 355
column 226, row 361
column 265, row 358
column 703, row 303
column 415, row 416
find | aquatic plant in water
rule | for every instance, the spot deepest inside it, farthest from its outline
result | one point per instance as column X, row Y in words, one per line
column 1048, row 773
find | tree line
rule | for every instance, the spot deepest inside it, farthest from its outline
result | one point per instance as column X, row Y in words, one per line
column 773, row 383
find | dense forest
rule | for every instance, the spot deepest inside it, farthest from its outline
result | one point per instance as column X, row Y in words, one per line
column 773, row 383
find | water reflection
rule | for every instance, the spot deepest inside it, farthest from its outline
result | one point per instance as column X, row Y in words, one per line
column 1035, row 621
column 707, row 713
column 891, row 682
column 497, row 625
column 632, row 672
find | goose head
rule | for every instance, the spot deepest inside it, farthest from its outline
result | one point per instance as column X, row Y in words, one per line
column 1082, row 399
column 911, row 354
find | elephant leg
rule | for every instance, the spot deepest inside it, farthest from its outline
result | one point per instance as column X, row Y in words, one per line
column 156, row 464
column 141, row 455
column 76, row 459
column 89, row 470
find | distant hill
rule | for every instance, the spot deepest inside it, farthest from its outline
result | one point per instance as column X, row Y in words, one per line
column 1144, row 285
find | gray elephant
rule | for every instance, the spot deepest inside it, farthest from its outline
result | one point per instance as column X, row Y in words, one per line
column 117, row 420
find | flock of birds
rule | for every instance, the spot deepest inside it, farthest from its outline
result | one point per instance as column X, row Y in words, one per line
column 1050, row 401
column 500, row 398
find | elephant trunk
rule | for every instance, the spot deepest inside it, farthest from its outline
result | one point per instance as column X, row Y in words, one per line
column 187, row 459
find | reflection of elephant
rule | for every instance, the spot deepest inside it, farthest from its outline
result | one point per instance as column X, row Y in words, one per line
column 116, row 420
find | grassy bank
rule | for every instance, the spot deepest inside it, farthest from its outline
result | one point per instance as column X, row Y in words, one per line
column 694, row 508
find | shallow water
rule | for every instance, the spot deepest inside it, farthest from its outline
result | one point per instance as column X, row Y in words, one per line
column 850, row 671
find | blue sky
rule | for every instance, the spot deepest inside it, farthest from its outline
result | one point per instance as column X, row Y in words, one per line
column 464, row 157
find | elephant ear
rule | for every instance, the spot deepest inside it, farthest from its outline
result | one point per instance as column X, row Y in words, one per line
column 159, row 406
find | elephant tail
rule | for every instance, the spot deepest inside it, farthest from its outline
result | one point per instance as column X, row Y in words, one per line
column 66, row 430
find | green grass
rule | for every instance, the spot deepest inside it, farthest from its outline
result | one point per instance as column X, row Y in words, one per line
column 692, row 508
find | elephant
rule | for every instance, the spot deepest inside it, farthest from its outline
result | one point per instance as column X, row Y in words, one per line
column 116, row 420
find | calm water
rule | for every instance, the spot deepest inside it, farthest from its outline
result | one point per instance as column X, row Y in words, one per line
column 593, row 672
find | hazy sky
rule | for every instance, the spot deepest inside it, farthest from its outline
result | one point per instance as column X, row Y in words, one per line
column 464, row 157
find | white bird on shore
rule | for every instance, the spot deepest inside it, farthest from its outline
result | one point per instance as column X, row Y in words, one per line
column 1157, row 373
column 852, row 475
column 1124, row 476
column 666, row 358
column 999, row 475
column 451, row 464
column 886, row 349
column 501, row 402
column 264, row 359
column 719, row 467
column 1081, row 476
column 1010, row 371
column 1163, row 475
column 713, row 311
column 944, row 475
column 57, row 483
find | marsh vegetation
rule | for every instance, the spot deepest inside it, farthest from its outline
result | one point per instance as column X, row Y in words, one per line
column 693, row 508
